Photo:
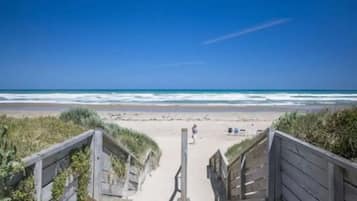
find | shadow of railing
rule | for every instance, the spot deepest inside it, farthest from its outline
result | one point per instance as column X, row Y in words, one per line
column 176, row 184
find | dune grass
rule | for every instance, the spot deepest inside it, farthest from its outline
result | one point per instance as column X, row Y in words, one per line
column 136, row 142
column 237, row 149
column 35, row 134
column 31, row 135
column 335, row 131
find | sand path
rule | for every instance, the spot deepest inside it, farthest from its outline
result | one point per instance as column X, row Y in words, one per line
column 160, row 185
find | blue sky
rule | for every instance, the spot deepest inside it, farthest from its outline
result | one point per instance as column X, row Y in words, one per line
column 178, row 44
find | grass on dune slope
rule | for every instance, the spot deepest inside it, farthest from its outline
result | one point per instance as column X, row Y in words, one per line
column 335, row 131
column 136, row 142
column 237, row 149
column 31, row 135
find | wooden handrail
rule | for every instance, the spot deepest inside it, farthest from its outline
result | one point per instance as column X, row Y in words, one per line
column 32, row 159
column 256, row 141
column 342, row 162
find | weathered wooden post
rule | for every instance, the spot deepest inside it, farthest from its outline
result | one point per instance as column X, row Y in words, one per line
column 97, row 164
column 183, row 165
column 37, row 173
column 127, row 174
column 274, row 173
column 335, row 182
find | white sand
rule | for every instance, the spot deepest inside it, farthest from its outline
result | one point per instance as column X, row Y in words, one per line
column 165, row 129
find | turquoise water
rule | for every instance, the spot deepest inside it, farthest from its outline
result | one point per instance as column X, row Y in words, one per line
column 157, row 96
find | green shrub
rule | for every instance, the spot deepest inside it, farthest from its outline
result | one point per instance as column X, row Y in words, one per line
column 334, row 131
column 80, row 166
column 25, row 190
column 82, row 116
column 59, row 184
column 9, row 163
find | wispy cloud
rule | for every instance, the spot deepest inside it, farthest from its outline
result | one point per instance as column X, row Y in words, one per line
column 184, row 63
column 256, row 28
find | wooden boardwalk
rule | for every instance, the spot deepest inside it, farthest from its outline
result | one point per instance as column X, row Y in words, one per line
column 278, row 166
column 48, row 163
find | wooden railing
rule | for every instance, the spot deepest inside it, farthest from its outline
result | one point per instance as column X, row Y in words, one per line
column 278, row 166
column 47, row 163
column 301, row 171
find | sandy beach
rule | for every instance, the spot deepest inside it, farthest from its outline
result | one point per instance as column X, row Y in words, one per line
column 164, row 126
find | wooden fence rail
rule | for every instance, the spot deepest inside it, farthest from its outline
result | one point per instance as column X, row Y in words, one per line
column 278, row 166
column 47, row 163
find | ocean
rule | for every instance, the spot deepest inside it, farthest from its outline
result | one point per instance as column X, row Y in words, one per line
column 214, row 97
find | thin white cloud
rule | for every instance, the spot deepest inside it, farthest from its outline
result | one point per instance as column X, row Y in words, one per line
column 185, row 63
column 247, row 31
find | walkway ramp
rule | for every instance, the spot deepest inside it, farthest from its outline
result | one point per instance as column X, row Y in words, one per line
column 278, row 166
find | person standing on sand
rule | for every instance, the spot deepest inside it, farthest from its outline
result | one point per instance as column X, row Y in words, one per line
column 194, row 133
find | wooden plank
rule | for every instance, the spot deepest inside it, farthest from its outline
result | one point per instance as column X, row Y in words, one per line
column 257, row 173
column 257, row 155
column 305, row 166
column 127, row 167
column 56, row 156
column 350, row 177
column 256, row 140
column 304, row 181
column 242, row 178
column 287, row 195
column 184, row 155
column 235, row 191
column 257, row 185
column 340, row 161
column 49, row 172
column 47, row 192
column 304, row 152
column 255, row 195
column 350, row 192
column 300, row 192
column 235, row 182
column 30, row 160
column 97, row 149
column 37, row 173
column 335, row 182
column 255, row 199
column 274, row 167
column 234, row 198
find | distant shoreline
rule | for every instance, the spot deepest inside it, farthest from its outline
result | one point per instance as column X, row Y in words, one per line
column 136, row 107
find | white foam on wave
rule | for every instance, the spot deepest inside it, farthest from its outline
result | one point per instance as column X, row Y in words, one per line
column 167, row 98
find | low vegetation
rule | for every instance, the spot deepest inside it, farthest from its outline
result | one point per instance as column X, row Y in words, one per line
column 137, row 143
column 237, row 149
column 335, row 131
column 10, row 166
column 37, row 133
